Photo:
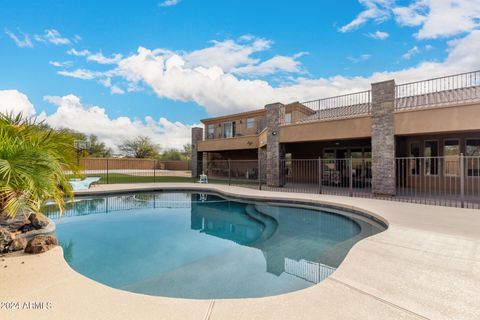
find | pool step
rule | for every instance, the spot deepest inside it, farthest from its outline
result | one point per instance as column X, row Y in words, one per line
column 270, row 224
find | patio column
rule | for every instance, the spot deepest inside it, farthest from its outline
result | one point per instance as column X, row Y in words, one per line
column 197, row 157
column 275, row 151
column 383, row 138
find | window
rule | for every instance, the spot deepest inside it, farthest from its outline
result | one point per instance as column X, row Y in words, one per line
column 250, row 123
column 473, row 148
column 451, row 153
column 228, row 129
column 211, row 131
column 414, row 163
column 430, row 153
column 288, row 118
column 472, row 151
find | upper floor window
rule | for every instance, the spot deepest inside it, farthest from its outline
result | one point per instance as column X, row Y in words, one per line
column 288, row 118
column 250, row 123
column 228, row 129
column 210, row 131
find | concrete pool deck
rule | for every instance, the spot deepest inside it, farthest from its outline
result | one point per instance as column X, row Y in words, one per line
column 426, row 265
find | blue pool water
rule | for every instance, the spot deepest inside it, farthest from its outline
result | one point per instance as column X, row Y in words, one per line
column 191, row 245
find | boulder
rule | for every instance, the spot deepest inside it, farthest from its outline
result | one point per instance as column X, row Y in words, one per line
column 41, row 244
column 5, row 238
column 17, row 244
column 38, row 220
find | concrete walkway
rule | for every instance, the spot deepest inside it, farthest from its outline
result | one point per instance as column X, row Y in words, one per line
column 425, row 266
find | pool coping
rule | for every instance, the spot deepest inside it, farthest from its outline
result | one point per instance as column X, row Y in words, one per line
column 405, row 272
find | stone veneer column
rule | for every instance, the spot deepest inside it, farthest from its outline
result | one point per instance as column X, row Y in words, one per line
column 197, row 157
column 275, row 151
column 262, row 163
column 383, row 138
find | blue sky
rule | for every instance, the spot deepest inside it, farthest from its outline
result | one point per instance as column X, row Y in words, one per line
column 100, row 66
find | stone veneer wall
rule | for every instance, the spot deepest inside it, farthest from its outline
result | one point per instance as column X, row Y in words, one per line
column 262, row 163
column 383, row 138
column 197, row 157
column 275, row 151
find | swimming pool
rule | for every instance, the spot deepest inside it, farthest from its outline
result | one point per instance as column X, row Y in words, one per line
column 203, row 245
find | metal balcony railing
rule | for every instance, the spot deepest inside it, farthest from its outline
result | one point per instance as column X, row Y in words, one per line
column 454, row 89
column 344, row 106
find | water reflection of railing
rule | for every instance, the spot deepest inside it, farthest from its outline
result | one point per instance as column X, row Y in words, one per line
column 308, row 270
column 119, row 203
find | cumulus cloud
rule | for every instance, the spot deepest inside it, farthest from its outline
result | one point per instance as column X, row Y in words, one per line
column 13, row 101
column 72, row 113
column 440, row 18
column 21, row 40
column 227, row 54
column 227, row 85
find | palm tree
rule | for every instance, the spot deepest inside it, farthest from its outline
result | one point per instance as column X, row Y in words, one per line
column 33, row 161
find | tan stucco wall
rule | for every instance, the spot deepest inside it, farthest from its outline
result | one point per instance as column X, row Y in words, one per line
column 326, row 130
column 237, row 143
column 457, row 118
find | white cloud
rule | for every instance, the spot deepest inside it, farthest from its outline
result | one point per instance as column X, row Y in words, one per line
column 13, row 101
column 81, row 53
column 271, row 66
column 227, row 54
column 434, row 18
column 379, row 35
column 377, row 10
column 223, row 90
column 363, row 57
column 442, row 18
column 71, row 113
column 52, row 36
column 411, row 53
column 22, row 40
column 80, row 74
column 169, row 3
column 59, row 64
column 100, row 58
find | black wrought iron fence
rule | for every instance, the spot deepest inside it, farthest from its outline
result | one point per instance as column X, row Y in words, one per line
column 447, row 181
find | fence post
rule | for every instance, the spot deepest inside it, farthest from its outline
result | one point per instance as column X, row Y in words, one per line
column 259, row 165
column 320, row 175
column 154, row 168
column 229, row 172
column 350, row 179
column 462, row 180
column 107, row 170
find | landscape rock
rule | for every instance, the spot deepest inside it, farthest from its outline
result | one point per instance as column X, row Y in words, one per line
column 5, row 238
column 38, row 220
column 17, row 244
column 41, row 244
